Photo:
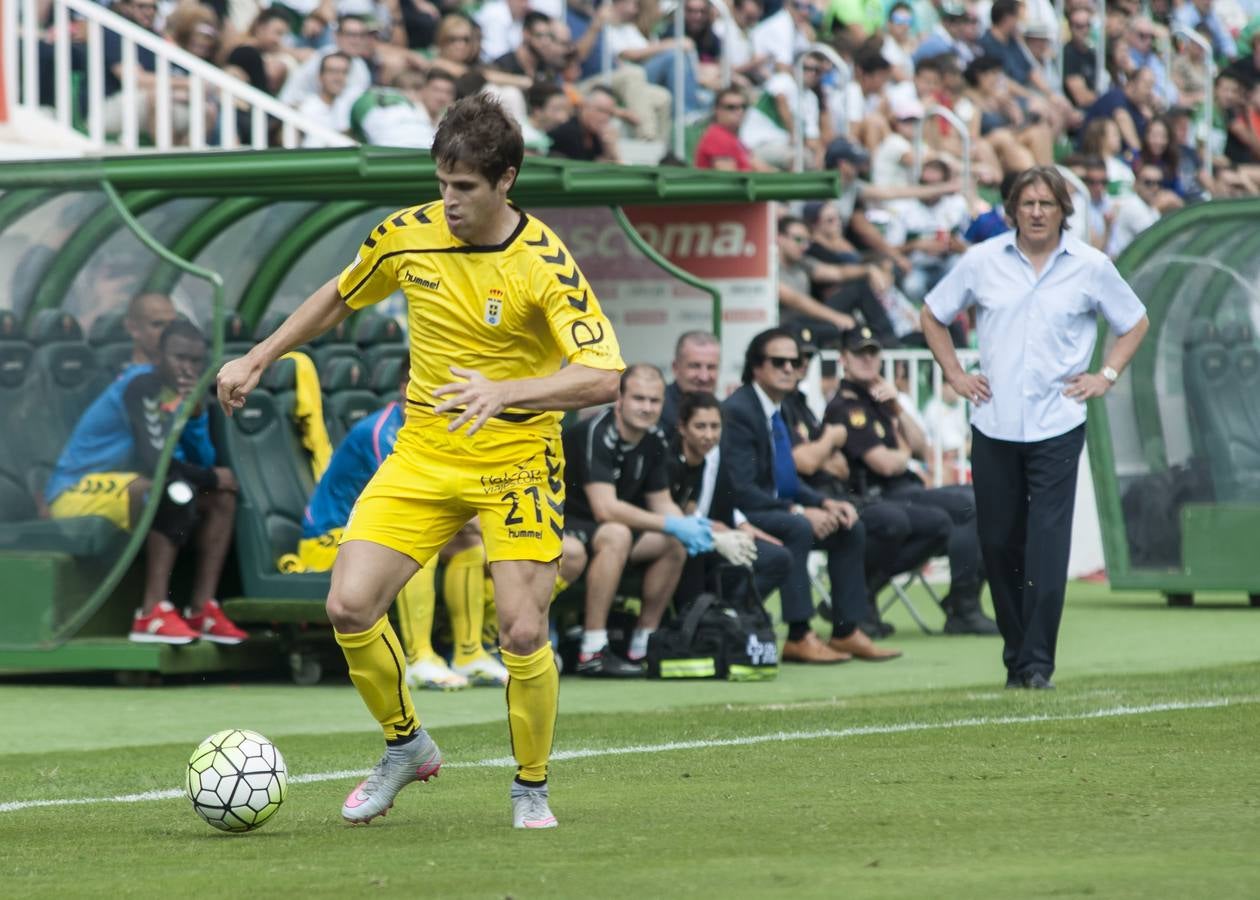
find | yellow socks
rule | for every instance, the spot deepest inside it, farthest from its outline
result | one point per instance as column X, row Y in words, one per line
column 533, row 697
column 377, row 669
column 416, row 602
column 464, row 588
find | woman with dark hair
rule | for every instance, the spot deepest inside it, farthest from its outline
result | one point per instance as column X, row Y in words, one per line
column 1159, row 149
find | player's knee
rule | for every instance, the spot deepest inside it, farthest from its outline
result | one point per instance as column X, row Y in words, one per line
column 524, row 635
column 613, row 537
column 675, row 552
column 573, row 561
column 346, row 614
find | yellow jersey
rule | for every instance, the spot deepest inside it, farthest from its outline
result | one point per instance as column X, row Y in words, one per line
column 514, row 310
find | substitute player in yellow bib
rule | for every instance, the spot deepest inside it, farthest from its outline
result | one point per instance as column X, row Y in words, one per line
column 496, row 305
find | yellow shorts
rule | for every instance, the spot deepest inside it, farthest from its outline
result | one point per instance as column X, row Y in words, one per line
column 435, row 481
column 101, row 494
column 317, row 554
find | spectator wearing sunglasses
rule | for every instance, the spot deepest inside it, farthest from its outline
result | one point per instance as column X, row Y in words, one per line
column 1137, row 211
column 720, row 146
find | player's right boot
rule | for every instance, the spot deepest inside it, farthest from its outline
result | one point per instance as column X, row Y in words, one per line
column 432, row 672
column 529, row 807
column 417, row 760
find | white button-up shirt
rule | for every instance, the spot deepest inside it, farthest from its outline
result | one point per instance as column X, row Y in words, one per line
column 1036, row 331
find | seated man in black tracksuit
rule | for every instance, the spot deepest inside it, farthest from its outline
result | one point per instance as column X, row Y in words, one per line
column 765, row 488
column 879, row 454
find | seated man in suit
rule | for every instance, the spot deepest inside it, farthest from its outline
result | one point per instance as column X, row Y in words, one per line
column 767, row 489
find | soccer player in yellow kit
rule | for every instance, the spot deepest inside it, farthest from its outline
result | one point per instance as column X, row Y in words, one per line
column 495, row 305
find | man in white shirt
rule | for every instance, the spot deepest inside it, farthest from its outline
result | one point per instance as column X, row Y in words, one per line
column 408, row 116
column 1136, row 212
column 929, row 231
column 786, row 34
column 767, row 129
column 1038, row 292
column 352, row 33
column 502, row 27
column 322, row 108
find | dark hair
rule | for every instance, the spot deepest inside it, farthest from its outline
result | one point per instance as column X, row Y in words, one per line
column 1008, row 182
column 602, row 89
column 870, row 59
column 269, row 14
column 540, row 93
column 181, row 328
column 470, row 84
column 940, row 165
column 353, row 17
column 941, row 64
column 336, row 54
column 533, row 17
column 979, row 66
column 1050, row 177
column 690, row 404
column 729, row 91
column 634, row 371
column 1170, row 160
column 476, row 132
column 755, row 355
column 1003, row 10
column 439, row 74
column 786, row 222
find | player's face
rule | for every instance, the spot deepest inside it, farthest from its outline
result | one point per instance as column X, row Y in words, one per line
column 472, row 202
column 639, row 406
column 154, row 314
column 696, row 368
column 183, row 361
column 703, row 431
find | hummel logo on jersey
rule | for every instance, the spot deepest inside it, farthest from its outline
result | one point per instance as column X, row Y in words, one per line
column 423, row 282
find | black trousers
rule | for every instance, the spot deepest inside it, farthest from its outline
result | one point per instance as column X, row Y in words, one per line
column 1025, row 494
column 845, row 552
column 958, row 504
column 901, row 536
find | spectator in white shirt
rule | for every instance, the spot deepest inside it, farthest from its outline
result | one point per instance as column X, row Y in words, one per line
column 782, row 37
column 1101, row 213
column 322, row 108
column 893, row 163
column 768, row 127
column 1136, row 212
column 929, row 231
column 352, row 34
column 502, row 27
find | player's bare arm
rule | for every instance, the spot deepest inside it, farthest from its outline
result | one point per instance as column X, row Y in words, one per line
column 574, row 387
column 318, row 313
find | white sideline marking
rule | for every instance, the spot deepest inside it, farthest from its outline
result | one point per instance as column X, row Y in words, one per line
column 772, row 737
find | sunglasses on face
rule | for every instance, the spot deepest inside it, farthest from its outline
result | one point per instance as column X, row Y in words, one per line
column 733, row 107
column 457, row 39
column 1095, row 180
column 900, row 18
column 802, row 239
column 784, row 362
column 1150, row 182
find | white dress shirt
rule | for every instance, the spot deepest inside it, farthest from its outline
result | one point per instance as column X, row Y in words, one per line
column 1036, row 331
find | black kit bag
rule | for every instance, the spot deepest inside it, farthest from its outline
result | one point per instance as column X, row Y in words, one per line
column 717, row 638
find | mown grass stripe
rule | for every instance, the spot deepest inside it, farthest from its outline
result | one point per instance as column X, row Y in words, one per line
column 706, row 744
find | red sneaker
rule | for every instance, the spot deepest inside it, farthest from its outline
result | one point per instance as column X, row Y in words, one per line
column 212, row 625
column 162, row 626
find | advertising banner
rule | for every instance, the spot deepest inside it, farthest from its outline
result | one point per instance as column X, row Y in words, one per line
column 728, row 245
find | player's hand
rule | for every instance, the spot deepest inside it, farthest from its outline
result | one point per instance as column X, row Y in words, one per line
column 881, row 391
column 736, row 547
column 972, row 387
column 236, row 379
column 481, row 399
column 1082, row 387
column 694, row 532
column 845, row 511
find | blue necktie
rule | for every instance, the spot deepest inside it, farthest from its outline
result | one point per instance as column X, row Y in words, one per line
column 785, row 481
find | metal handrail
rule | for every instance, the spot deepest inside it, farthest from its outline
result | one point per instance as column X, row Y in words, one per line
column 1209, row 73
column 680, row 81
column 168, row 55
column 958, row 125
column 798, row 123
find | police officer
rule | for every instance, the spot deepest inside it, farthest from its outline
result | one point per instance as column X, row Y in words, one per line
column 916, row 522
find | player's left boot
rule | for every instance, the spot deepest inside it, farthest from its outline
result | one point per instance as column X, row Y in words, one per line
column 529, row 807
column 483, row 670
column 417, row 760
column 432, row 672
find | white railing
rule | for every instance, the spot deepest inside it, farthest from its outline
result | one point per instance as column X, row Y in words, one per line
column 959, row 126
column 209, row 89
column 798, row 118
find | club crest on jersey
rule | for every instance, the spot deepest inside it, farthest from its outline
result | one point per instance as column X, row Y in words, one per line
column 494, row 308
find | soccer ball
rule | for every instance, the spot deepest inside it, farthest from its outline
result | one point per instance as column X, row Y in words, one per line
column 236, row 780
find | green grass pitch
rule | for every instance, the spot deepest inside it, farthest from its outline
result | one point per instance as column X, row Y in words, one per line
column 918, row 778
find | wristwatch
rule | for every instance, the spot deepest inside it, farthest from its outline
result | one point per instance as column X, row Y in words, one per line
column 1109, row 373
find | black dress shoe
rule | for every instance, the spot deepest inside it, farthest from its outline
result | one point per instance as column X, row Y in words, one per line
column 1038, row 682
column 877, row 630
column 971, row 622
column 1015, row 682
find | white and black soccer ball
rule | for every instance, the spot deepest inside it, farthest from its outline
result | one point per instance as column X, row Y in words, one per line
column 236, row 780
